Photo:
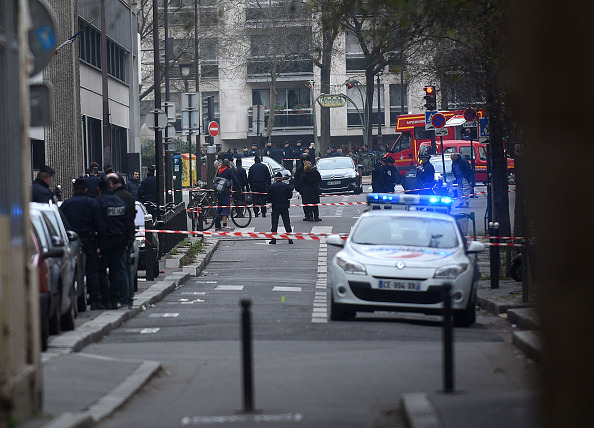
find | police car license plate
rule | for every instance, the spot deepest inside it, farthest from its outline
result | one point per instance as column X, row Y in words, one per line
column 333, row 183
column 400, row 285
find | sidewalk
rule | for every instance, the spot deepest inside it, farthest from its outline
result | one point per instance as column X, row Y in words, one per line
column 114, row 381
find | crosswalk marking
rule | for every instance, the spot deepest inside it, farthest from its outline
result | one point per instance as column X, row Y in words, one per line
column 277, row 288
column 229, row 287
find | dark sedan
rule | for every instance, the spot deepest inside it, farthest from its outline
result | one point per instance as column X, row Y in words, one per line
column 339, row 175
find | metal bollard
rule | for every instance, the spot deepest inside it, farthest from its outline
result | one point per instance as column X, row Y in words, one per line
column 448, row 340
column 150, row 258
column 246, row 327
column 494, row 256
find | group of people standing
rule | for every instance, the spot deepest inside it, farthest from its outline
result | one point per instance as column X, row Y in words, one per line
column 101, row 211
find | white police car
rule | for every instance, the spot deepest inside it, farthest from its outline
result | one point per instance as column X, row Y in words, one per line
column 398, row 259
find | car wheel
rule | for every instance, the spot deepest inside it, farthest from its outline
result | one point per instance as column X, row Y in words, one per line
column 81, row 301
column 68, row 318
column 466, row 317
column 55, row 326
column 340, row 312
column 44, row 327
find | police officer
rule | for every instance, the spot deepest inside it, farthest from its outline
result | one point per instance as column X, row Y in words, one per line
column 277, row 155
column 117, row 226
column 147, row 191
column 426, row 175
column 40, row 191
column 93, row 180
column 394, row 177
column 259, row 181
column 307, row 211
column 268, row 149
column 127, row 292
column 297, row 152
column 379, row 176
column 279, row 195
column 84, row 215
column 288, row 157
column 254, row 151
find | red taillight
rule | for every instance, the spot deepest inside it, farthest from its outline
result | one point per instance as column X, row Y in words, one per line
column 43, row 276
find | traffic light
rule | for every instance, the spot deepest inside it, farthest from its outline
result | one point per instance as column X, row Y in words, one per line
column 309, row 84
column 430, row 99
column 350, row 85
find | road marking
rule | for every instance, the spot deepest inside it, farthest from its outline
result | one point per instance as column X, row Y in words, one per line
column 229, row 287
column 165, row 315
column 319, row 307
column 193, row 293
column 217, row 420
column 277, row 288
column 205, row 282
column 149, row 330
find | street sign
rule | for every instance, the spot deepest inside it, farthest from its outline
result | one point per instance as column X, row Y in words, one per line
column 156, row 119
column 438, row 120
column 190, row 120
column 169, row 132
column 469, row 124
column 330, row 101
column 470, row 114
column 441, row 132
column 428, row 115
column 213, row 128
column 455, row 120
column 190, row 101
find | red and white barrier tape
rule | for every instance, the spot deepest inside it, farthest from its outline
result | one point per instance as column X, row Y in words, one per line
column 267, row 235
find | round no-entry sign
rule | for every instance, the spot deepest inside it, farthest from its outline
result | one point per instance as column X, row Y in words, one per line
column 213, row 128
column 438, row 120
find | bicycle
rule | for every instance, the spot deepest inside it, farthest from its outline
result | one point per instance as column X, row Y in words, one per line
column 205, row 202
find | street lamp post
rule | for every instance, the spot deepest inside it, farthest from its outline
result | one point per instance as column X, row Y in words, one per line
column 379, row 115
column 185, row 69
column 313, row 114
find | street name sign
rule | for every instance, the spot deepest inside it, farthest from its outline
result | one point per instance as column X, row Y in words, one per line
column 332, row 100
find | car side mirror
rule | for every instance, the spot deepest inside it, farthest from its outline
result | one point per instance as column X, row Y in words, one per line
column 475, row 247
column 57, row 241
column 72, row 235
column 52, row 252
column 335, row 240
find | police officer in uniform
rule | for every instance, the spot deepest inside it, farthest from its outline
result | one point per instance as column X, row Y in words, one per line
column 84, row 215
column 426, row 175
column 147, row 191
column 279, row 195
column 259, row 180
column 93, row 180
column 117, row 226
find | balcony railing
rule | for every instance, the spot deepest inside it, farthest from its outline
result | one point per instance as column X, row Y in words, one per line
column 259, row 67
column 285, row 119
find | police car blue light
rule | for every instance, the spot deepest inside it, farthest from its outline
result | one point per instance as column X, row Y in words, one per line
column 409, row 199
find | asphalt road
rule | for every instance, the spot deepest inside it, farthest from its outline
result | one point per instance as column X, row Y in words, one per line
column 308, row 370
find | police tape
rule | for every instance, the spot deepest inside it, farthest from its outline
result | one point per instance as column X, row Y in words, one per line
column 286, row 235
column 265, row 235
column 507, row 238
column 197, row 209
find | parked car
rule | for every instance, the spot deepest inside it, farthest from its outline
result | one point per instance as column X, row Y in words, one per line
column 339, row 174
column 141, row 212
column 62, row 308
column 399, row 259
column 40, row 260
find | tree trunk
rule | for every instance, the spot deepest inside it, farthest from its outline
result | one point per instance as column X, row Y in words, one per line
column 325, row 69
column 272, row 101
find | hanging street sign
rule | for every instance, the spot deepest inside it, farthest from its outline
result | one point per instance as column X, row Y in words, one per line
column 156, row 119
column 332, row 100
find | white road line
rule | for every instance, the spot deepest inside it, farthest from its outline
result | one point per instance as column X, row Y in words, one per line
column 320, row 304
column 229, row 287
column 149, row 330
column 277, row 288
column 165, row 315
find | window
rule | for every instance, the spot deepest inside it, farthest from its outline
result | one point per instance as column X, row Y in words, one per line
column 209, row 63
column 403, row 143
column 398, row 102
column 293, row 106
column 355, row 60
column 90, row 52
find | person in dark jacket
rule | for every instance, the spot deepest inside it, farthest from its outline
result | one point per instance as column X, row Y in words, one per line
column 279, row 195
column 40, row 191
column 147, row 191
column 307, row 211
column 312, row 151
column 133, row 184
column 268, row 149
column 84, row 216
column 127, row 290
column 236, row 154
column 117, row 226
column 426, row 175
column 297, row 152
column 288, row 157
column 241, row 175
column 310, row 189
column 394, row 177
column 259, row 180
column 93, row 180
column 379, row 176
column 463, row 173
column 254, row 151
column 277, row 155
column 224, row 199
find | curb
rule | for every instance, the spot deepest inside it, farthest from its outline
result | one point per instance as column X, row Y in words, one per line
column 498, row 308
column 418, row 411
column 529, row 343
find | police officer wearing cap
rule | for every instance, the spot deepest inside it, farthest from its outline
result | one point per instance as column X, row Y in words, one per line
column 40, row 191
column 279, row 195
column 393, row 173
column 117, row 226
column 379, row 176
column 84, row 215
column 93, row 180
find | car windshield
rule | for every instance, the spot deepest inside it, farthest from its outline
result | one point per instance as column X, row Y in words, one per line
column 274, row 164
column 334, row 163
column 408, row 231
column 139, row 218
